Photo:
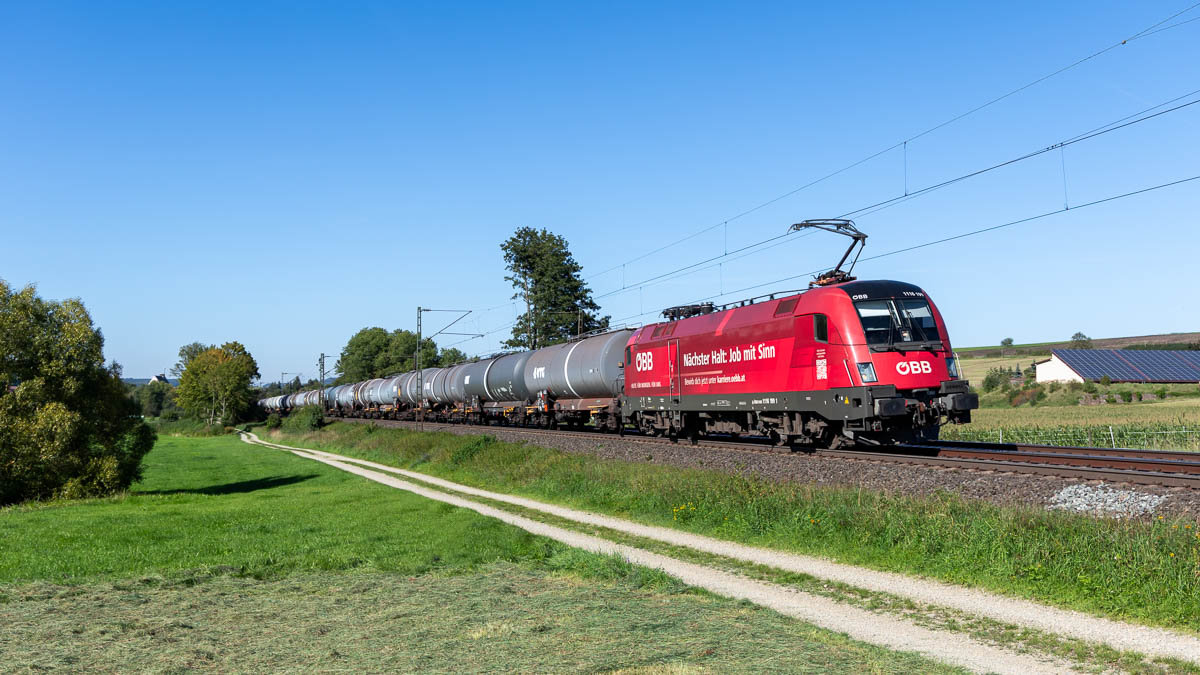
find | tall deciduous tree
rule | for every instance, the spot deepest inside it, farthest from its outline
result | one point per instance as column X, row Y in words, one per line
column 186, row 354
column 216, row 384
column 68, row 428
column 545, row 276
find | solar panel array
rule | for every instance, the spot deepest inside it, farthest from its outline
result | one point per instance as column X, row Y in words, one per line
column 1133, row 365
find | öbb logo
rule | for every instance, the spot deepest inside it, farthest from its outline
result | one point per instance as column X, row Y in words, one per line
column 913, row 367
column 644, row 361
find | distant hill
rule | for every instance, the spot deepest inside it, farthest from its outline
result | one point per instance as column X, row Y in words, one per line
column 1162, row 341
column 143, row 380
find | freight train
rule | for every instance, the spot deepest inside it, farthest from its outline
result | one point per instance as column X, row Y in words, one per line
column 843, row 363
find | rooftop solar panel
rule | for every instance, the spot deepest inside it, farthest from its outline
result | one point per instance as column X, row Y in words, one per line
column 1133, row 365
column 1160, row 365
column 1094, row 364
column 1192, row 357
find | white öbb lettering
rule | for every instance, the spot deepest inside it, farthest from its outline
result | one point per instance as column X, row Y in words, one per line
column 914, row 367
column 644, row 361
column 539, row 372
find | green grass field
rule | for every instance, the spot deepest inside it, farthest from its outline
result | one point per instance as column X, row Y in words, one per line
column 234, row 557
column 1144, row 571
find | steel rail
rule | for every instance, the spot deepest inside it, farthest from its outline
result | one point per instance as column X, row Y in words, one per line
column 1122, row 465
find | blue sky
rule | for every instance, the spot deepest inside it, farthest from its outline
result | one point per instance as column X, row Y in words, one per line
column 283, row 174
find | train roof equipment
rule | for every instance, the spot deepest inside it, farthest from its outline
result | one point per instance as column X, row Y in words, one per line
column 837, row 226
column 687, row 311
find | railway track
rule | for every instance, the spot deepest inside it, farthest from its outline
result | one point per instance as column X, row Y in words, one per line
column 1120, row 465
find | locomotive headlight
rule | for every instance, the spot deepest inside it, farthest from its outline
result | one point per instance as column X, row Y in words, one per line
column 867, row 372
column 952, row 367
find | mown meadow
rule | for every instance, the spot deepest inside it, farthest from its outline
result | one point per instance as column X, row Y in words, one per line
column 1142, row 570
column 231, row 557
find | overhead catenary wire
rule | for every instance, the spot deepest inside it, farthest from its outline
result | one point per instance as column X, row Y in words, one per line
column 1153, row 29
column 942, row 240
column 771, row 242
column 1087, row 135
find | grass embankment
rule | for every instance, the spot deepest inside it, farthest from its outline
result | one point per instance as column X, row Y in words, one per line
column 232, row 557
column 1146, row 571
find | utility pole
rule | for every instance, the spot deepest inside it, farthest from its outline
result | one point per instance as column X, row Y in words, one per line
column 417, row 367
column 417, row 356
column 321, row 387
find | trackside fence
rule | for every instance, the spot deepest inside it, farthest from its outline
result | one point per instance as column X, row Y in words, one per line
column 1152, row 437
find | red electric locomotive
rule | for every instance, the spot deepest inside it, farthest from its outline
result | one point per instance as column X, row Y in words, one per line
column 846, row 362
column 861, row 361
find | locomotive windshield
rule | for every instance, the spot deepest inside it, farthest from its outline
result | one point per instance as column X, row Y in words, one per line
column 897, row 323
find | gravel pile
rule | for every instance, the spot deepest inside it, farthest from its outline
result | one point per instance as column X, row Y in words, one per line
column 999, row 487
column 1104, row 500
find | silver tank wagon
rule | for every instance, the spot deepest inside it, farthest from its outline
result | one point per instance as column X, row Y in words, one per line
column 588, row 368
column 505, row 379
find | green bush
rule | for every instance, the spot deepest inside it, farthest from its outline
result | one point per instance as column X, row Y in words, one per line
column 1160, row 393
column 1088, row 387
column 69, row 429
column 995, row 378
column 273, row 421
column 1076, row 386
column 304, row 418
column 1126, row 396
column 1105, row 381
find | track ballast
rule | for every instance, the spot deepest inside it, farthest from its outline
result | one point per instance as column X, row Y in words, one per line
column 1119, row 465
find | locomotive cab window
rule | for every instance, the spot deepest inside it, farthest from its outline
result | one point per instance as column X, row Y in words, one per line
column 820, row 328
column 891, row 322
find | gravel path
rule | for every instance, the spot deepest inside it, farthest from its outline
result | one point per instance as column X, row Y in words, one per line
column 896, row 478
column 1151, row 641
column 952, row 648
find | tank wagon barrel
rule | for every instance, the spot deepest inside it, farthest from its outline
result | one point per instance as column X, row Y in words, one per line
column 504, row 378
column 589, row 368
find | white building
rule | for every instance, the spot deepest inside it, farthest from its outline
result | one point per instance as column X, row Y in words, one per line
column 1054, row 369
